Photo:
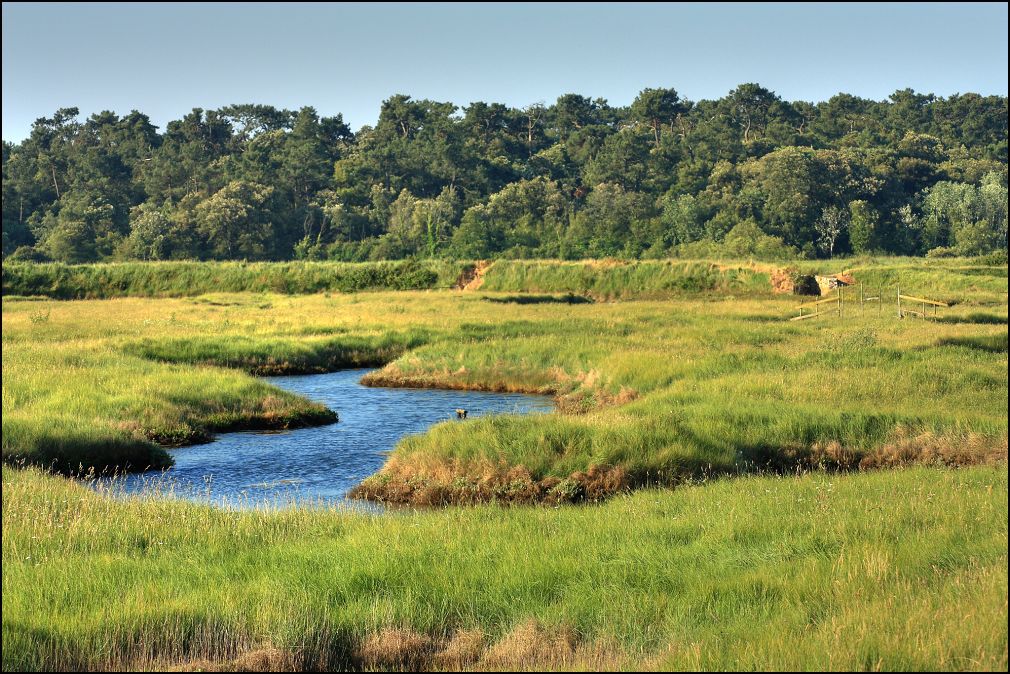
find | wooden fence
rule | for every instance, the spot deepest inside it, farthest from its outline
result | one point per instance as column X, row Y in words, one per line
column 839, row 304
column 923, row 302
column 816, row 307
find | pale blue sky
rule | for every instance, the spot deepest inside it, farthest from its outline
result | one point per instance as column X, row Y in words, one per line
column 165, row 59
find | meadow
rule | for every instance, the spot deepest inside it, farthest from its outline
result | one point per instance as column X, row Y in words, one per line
column 879, row 570
column 667, row 374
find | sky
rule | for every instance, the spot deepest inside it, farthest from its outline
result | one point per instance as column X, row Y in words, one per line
column 165, row 59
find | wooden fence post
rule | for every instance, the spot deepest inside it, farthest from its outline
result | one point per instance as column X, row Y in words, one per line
column 839, row 301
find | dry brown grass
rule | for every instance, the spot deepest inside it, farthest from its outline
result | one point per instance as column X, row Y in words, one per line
column 929, row 449
column 265, row 659
column 396, row 648
column 532, row 646
column 456, row 482
column 905, row 449
column 592, row 394
column 433, row 481
column 462, row 650
column 529, row 646
column 391, row 376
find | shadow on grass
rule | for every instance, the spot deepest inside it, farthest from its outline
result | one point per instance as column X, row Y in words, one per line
column 986, row 343
column 540, row 299
column 975, row 319
column 79, row 455
column 994, row 272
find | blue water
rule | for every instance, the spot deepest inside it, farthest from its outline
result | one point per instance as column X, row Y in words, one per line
column 320, row 464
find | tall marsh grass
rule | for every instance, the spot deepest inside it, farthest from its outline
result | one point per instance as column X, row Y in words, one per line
column 660, row 390
column 613, row 279
column 180, row 279
column 898, row 570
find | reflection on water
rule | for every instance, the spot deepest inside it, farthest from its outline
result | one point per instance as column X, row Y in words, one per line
column 319, row 464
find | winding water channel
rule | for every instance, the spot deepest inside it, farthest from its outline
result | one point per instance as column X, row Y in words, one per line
column 318, row 464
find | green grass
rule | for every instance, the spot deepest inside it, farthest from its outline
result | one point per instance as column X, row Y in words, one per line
column 181, row 279
column 610, row 279
column 973, row 281
column 957, row 279
column 685, row 388
column 653, row 390
column 886, row 570
column 92, row 406
column 314, row 353
column 962, row 280
column 900, row 569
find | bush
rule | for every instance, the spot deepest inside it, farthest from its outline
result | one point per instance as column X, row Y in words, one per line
column 997, row 257
column 29, row 254
column 745, row 240
column 941, row 252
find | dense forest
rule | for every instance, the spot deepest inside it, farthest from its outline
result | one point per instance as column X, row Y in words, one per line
column 749, row 174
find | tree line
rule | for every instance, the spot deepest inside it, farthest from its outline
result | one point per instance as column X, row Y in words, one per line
column 749, row 174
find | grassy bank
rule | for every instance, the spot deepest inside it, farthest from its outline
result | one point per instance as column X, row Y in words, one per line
column 855, row 569
column 86, row 404
column 944, row 280
column 886, row 570
column 659, row 392
column 956, row 279
column 967, row 280
column 651, row 391
column 185, row 279
column 613, row 279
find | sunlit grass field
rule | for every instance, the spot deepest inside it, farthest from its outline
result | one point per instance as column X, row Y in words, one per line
column 674, row 384
column 653, row 390
column 903, row 569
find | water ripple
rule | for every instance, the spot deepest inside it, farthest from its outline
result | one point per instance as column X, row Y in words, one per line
column 321, row 464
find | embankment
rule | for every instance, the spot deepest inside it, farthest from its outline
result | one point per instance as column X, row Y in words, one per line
column 615, row 279
column 182, row 279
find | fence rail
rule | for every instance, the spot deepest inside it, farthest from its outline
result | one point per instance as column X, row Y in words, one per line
column 924, row 301
column 811, row 304
column 836, row 300
column 819, row 307
column 918, row 300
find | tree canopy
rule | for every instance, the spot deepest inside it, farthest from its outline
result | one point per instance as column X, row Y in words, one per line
column 746, row 173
